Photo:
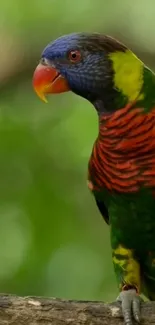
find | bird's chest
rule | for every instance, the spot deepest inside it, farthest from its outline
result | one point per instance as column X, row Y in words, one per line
column 123, row 156
column 121, row 172
column 121, row 169
column 126, row 185
column 112, row 170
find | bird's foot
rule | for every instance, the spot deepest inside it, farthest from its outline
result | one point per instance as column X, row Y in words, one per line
column 130, row 301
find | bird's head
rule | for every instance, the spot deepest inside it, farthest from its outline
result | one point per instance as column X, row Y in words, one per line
column 82, row 63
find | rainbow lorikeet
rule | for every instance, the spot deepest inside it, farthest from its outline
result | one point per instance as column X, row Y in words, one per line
column 121, row 172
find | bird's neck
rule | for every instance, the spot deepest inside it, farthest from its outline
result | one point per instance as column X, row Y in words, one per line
column 132, row 82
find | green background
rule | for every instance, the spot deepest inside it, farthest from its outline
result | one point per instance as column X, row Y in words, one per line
column 53, row 240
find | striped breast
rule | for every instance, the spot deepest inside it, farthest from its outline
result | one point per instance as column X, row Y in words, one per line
column 123, row 156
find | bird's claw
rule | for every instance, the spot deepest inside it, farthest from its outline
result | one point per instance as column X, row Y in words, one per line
column 130, row 302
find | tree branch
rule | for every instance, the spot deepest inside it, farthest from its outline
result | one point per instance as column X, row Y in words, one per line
column 41, row 311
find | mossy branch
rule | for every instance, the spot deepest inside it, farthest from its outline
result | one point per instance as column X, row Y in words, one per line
column 44, row 311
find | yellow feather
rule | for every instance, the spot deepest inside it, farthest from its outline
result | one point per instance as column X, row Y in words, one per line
column 128, row 266
column 128, row 76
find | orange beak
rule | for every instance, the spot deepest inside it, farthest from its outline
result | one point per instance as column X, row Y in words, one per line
column 47, row 80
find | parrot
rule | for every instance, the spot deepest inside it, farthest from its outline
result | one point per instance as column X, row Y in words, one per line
column 121, row 168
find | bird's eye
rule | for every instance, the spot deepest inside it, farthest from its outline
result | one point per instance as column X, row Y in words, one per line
column 74, row 56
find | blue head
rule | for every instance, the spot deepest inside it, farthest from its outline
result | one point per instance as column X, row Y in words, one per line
column 81, row 59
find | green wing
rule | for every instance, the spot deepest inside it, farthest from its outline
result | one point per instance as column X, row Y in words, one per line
column 103, row 210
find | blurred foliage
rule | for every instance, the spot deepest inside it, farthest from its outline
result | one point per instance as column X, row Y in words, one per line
column 53, row 240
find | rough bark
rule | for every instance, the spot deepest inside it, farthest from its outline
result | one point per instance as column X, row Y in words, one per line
column 44, row 311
